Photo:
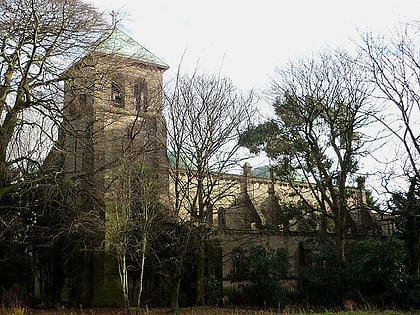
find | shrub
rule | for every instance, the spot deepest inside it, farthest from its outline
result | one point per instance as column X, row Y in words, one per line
column 261, row 270
column 15, row 276
column 375, row 274
column 321, row 281
column 212, row 290
column 376, row 271
column 413, row 292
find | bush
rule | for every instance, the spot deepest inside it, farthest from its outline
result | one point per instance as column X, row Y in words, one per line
column 413, row 292
column 212, row 289
column 261, row 271
column 376, row 271
column 321, row 282
column 15, row 275
column 375, row 274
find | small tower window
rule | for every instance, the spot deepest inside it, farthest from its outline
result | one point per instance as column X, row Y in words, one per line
column 221, row 217
column 117, row 94
column 140, row 95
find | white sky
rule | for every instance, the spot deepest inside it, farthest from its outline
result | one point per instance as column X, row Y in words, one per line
column 246, row 40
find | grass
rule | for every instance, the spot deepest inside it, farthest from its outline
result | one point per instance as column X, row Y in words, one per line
column 219, row 311
column 233, row 311
column 188, row 311
column 12, row 310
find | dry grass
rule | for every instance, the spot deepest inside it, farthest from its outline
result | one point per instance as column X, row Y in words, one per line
column 187, row 311
column 12, row 311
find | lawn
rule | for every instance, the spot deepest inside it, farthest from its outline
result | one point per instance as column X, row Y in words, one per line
column 233, row 311
column 189, row 311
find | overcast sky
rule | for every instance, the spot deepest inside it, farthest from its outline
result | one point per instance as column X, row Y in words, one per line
column 247, row 40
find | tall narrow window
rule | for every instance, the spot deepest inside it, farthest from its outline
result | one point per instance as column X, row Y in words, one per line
column 221, row 218
column 117, row 94
column 140, row 95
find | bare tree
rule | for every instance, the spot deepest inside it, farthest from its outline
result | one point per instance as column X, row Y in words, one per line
column 38, row 40
column 393, row 63
column 205, row 114
column 317, row 137
column 72, row 103
column 134, row 210
column 119, row 224
column 173, row 246
column 149, row 212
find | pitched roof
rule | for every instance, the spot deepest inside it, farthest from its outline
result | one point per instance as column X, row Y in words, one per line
column 120, row 43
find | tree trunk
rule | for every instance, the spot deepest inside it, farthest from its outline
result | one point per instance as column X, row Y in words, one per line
column 340, row 244
column 174, row 294
column 142, row 262
column 412, row 234
column 37, row 278
column 199, row 276
column 416, row 262
column 412, row 242
column 122, row 268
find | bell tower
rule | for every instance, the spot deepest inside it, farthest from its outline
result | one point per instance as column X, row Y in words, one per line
column 113, row 128
column 113, row 113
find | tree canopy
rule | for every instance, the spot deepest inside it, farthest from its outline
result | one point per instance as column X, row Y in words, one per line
column 321, row 108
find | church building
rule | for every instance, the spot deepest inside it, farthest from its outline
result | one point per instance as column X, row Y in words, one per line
column 113, row 119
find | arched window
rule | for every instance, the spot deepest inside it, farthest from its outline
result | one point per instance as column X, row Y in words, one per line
column 140, row 95
column 221, row 217
column 238, row 257
column 117, row 94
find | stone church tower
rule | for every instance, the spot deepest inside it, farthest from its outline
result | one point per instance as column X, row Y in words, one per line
column 113, row 112
column 112, row 122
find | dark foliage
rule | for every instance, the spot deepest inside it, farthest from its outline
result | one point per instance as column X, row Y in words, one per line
column 321, row 282
column 260, row 270
column 406, row 208
column 375, row 274
column 15, row 275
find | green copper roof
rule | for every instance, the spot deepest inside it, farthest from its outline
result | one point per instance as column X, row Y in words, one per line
column 121, row 44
